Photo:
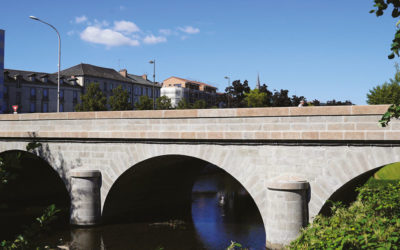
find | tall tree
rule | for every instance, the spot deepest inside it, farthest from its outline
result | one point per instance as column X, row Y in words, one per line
column 296, row 100
column 281, row 98
column 255, row 98
column 268, row 95
column 145, row 103
column 236, row 93
column 381, row 5
column 387, row 93
column 93, row 99
column 163, row 102
column 120, row 99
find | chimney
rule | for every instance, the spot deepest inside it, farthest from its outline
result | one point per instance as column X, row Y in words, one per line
column 123, row 72
column 144, row 76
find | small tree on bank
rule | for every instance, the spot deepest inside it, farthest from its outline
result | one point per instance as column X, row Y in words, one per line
column 145, row 103
column 163, row 102
column 120, row 99
column 93, row 99
column 183, row 104
column 255, row 98
column 199, row 104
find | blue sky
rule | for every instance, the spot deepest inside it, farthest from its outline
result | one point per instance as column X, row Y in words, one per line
column 317, row 48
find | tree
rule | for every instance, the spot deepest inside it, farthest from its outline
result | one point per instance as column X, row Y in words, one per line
column 381, row 5
column 93, row 99
column 268, row 95
column 120, row 99
column 295, row 100
column 183, row 104
column 163, row 102
column 145, row 103
column 199, row 104
column 281, row 98
column 255, row 98
column 338, row 103
column 236, row 93
column 387, row 93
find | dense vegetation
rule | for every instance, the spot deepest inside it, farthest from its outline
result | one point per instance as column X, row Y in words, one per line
column 371, row 222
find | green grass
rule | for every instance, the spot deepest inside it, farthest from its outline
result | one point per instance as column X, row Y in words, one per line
column 389, row 172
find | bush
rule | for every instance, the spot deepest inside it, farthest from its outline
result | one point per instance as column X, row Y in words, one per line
column 371, row 222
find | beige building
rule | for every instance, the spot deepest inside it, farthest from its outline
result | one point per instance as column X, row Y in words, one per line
column 177, row 88
column 37, row 91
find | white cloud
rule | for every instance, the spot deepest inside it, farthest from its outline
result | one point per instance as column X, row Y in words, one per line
column 165, row 32
column 80, row 19
column 71, row 32
column 125, row 27
column 151, row 39
column 107, row 37
column 189, row 30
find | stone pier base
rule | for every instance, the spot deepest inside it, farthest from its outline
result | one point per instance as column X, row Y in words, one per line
column 85, row 197
column 287, row 210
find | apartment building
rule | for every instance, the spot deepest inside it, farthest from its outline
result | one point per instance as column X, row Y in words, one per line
column 177, row 88
column 37, row 91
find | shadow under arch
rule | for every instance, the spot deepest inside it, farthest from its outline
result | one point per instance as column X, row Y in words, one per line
column 146, row 188
column 34, row 186
column 347, row 193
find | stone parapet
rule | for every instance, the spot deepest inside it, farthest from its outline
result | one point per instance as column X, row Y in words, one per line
column 338, row 123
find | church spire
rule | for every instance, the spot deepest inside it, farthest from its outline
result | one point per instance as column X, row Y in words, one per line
column 258, row 81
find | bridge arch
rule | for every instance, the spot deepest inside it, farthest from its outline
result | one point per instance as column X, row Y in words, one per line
column 173, row 172
column 346, row 173
column 34, row 185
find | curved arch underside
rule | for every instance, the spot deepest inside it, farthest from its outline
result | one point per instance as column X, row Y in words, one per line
column 34, row 186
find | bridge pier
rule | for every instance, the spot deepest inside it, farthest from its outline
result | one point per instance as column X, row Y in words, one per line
column 85, row 197
column 287, row 210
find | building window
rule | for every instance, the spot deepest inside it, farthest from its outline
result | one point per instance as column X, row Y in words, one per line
column 61, row 107
column 5, row 94
column 45, row 107
column 32, row 107
column 111, row 86
column 129, row 90
column 33, row 93
column 18, row 98
column 178, row 85
column 105, row 87
column 61, row 95
column 45, row 94
column 75, row 96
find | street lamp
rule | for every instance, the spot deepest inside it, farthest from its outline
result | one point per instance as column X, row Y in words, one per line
column 59, row 59
column 229, row 84
column 154, row 80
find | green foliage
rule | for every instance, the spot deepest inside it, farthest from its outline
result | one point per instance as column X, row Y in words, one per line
column 381, row 6
column 236, row 93
column 28, row 237
column 235, row 245
column 387, row 93
column 389, row 172
column 371, row 222
column 183, row 104
column 32, row 146
column 199, row 104
column 145, row 103
column 255, row 98
column 93, row 99
column 163, row 102
column 392, row 112
column 120, row 99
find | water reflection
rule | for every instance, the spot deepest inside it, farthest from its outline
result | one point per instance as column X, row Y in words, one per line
column 212, row 226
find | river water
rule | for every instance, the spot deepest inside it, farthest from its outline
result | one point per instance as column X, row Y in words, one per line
column 211, row 226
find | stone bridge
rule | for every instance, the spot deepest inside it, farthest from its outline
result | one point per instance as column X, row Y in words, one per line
column 290, row 160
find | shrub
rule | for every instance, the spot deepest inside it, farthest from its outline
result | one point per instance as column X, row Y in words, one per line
column 371, row 222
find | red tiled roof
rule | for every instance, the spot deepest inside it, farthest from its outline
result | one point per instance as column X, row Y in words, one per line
column 187, row 80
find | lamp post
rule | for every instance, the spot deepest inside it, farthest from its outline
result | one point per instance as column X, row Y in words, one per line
column 154, row 80
column 59, row 59
column 229, row 84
